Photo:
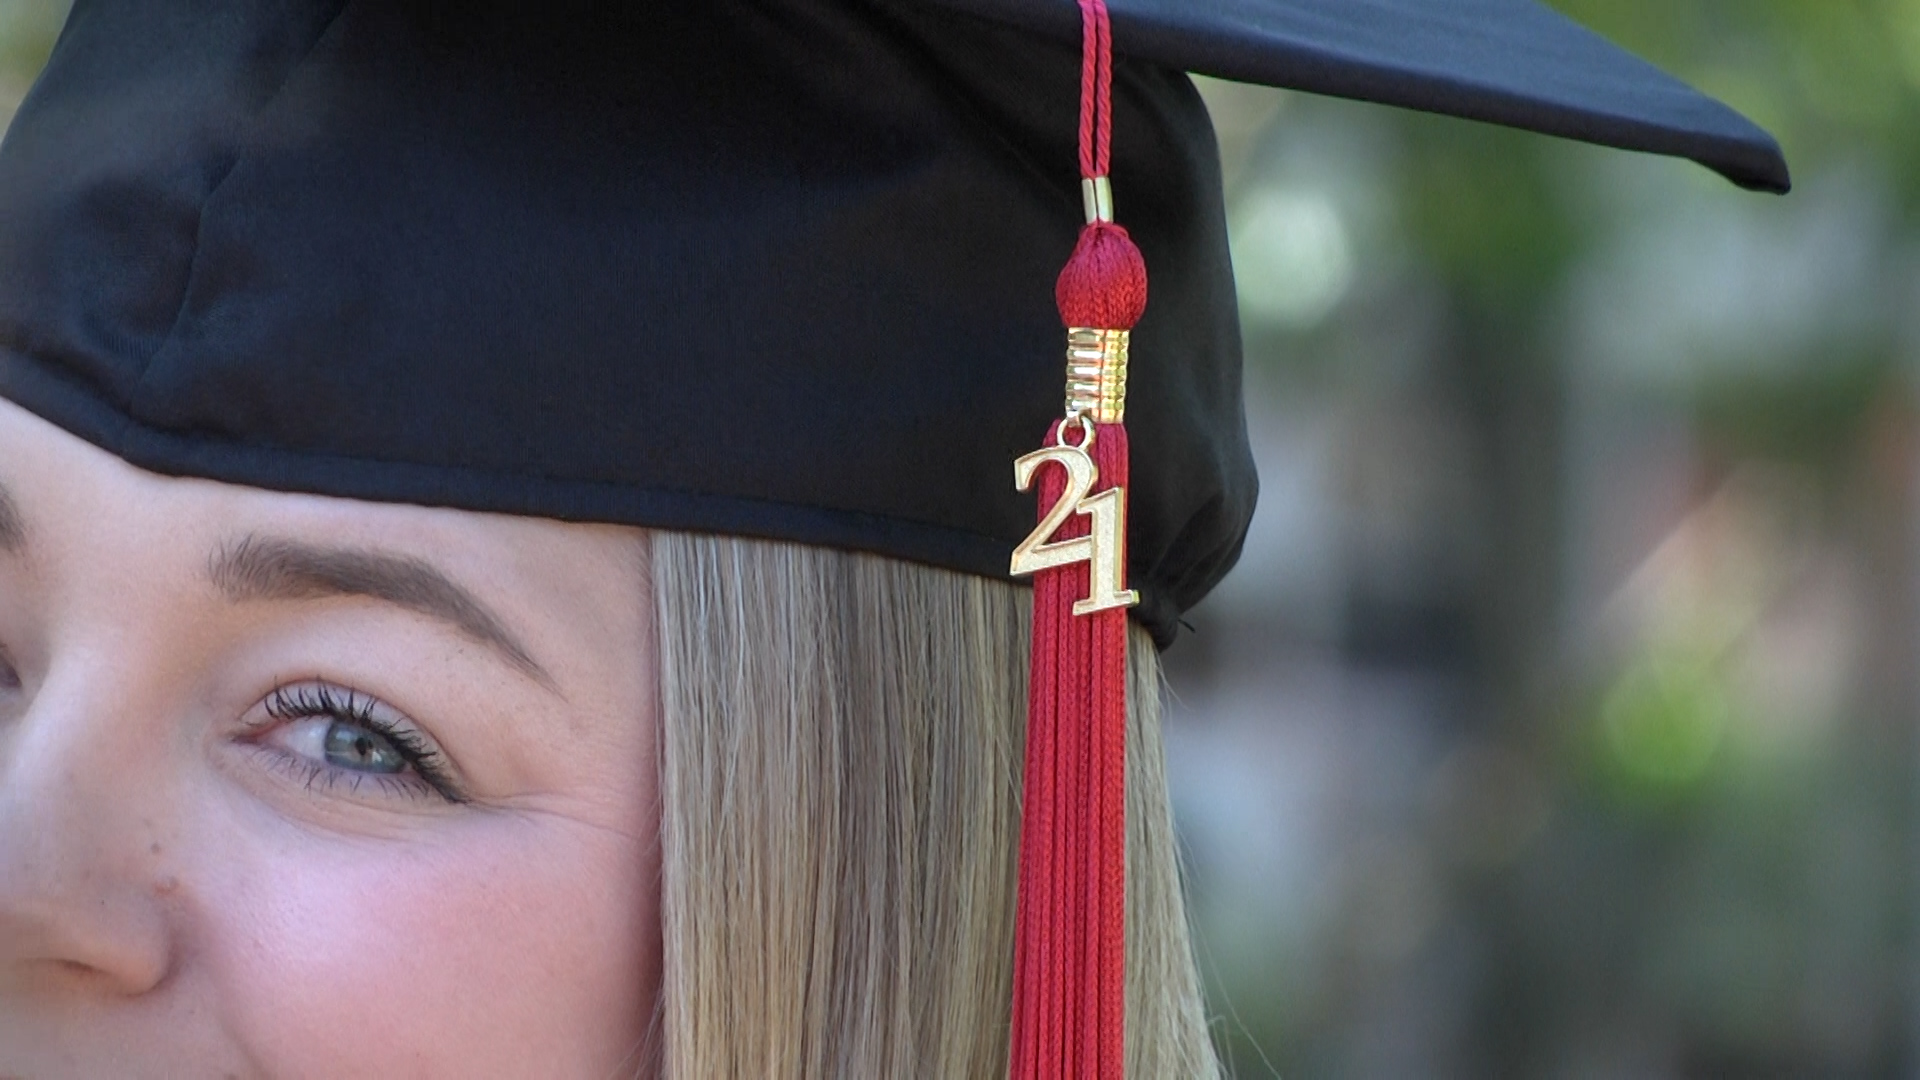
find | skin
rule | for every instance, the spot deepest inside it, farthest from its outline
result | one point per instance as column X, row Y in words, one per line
column 191, row 886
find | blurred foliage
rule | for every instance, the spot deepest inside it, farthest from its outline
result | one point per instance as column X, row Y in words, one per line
column 1482, row 207
column 27, row 31
column 1664, row 829
column 1812, row 416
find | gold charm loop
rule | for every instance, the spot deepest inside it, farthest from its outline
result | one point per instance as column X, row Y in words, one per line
column 1084, row 423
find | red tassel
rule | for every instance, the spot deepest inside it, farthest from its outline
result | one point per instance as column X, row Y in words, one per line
column 1069, row 987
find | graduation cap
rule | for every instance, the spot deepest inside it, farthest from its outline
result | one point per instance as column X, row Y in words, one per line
column 780, row 268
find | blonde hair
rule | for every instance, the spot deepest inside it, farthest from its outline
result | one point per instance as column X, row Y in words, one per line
column 841, row 762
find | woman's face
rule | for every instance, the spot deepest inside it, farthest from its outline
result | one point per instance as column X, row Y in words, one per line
column 303, row 787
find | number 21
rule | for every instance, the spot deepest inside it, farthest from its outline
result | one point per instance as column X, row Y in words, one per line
column 1102, row 547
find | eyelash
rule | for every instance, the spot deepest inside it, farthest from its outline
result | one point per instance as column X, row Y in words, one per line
column 320, row 701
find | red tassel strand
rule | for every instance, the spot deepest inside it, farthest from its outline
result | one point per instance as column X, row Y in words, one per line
column 1069, row 1009
column 1107, row 675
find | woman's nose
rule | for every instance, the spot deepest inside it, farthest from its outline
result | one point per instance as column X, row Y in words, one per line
column 81, row 908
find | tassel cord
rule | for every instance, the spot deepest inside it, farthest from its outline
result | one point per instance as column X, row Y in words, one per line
column 1069, row 1008
column 1096, row 89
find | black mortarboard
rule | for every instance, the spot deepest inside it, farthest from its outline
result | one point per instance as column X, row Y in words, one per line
column 780, row 268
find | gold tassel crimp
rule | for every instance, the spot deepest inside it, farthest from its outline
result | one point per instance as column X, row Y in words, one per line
column 1097, row 374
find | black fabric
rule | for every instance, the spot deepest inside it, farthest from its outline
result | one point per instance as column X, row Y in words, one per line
column 780, row 268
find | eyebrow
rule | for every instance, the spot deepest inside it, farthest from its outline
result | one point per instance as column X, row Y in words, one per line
column 263, row 568
column 13, row 528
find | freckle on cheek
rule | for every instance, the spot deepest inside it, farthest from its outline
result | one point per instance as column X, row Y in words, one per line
column 155, row 849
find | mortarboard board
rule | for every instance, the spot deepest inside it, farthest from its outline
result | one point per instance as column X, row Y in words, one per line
column 780, row 268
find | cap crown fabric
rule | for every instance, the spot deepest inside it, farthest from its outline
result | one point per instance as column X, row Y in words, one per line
column 774, row 269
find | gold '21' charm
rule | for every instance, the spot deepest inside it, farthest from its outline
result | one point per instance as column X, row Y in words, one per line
column 1102, row 547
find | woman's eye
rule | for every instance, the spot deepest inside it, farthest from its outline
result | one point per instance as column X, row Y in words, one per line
column 332, row 739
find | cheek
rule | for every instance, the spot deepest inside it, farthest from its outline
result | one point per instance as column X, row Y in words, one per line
column 509, row 946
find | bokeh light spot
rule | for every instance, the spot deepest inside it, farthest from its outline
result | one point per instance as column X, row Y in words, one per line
column 1292, row 256
column 1663, row 720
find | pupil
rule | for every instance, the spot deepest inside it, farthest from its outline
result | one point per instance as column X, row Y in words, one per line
column 350, row 747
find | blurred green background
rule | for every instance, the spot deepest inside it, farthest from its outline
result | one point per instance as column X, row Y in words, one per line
column 1560, row 720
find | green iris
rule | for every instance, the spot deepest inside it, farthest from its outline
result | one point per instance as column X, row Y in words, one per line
column 349, row 746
